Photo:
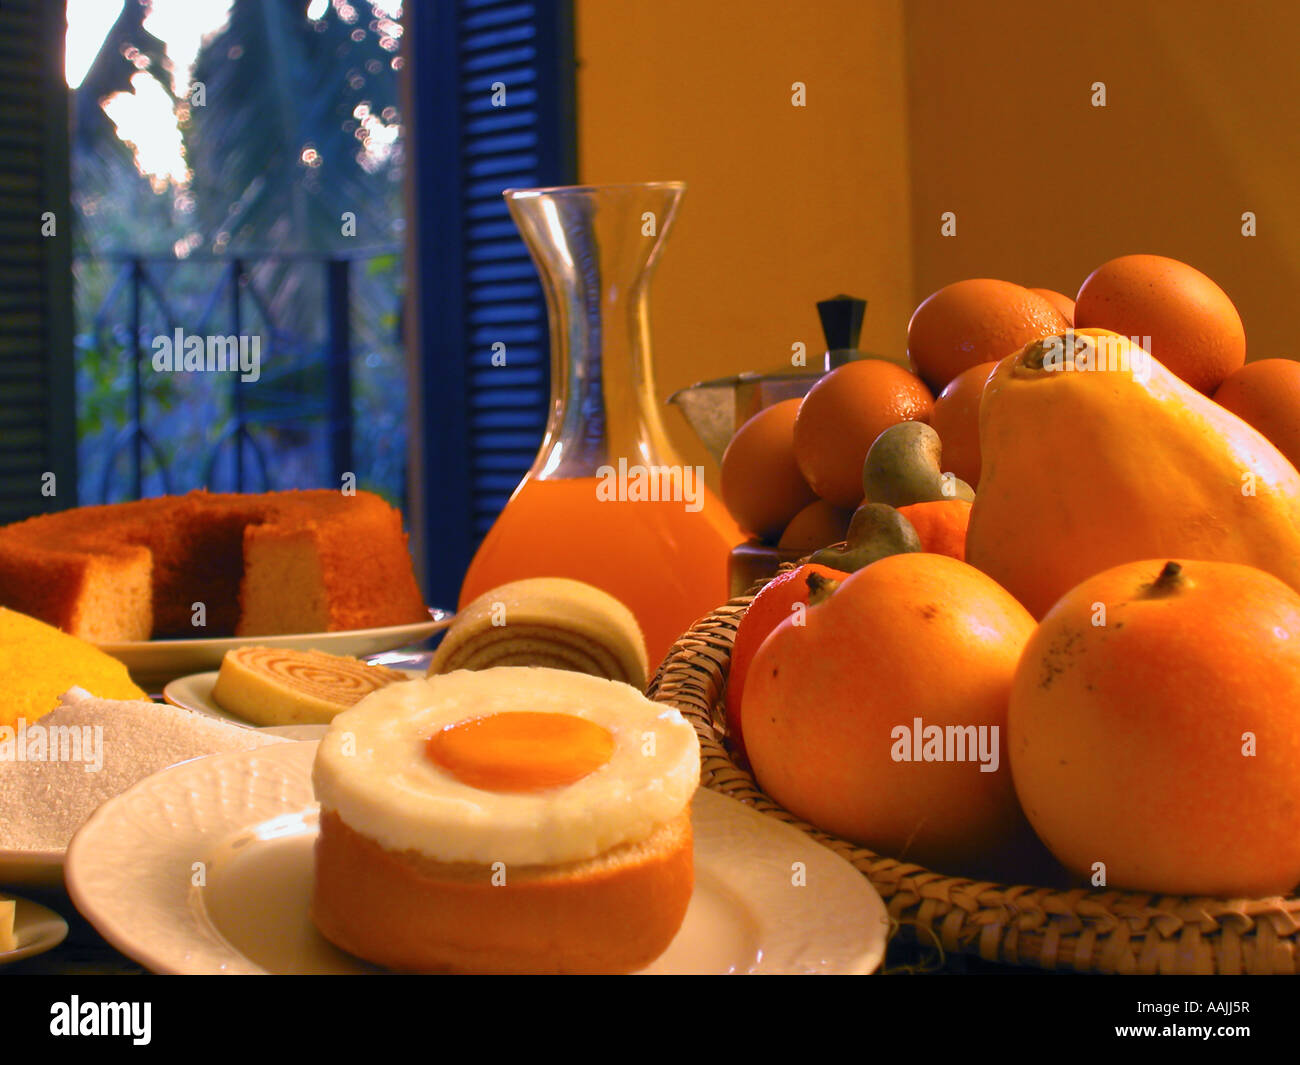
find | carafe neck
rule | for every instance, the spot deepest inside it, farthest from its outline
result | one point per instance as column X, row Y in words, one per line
column 595, row 249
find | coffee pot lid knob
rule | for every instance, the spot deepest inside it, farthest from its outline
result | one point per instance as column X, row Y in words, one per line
column 842, row 321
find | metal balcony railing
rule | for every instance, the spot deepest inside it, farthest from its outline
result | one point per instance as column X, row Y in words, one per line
column 314, row 318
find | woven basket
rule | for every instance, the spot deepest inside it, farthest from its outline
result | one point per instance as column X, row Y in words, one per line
column 1079, row 929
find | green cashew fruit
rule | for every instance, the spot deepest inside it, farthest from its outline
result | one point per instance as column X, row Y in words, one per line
column 902, row 468
column 876, row 530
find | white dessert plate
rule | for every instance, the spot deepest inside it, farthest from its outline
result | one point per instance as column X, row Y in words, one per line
column 156, row 661
column 207, row 868
column 36, row 928
column 195, row 693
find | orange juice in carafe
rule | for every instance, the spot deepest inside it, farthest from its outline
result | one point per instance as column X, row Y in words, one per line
column 607, row 501
column 668, row 564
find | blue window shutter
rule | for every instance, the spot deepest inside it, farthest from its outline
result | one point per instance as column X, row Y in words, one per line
column 38, row 433
column 473, row 281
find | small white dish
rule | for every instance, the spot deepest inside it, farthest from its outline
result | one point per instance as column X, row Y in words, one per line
column 195, row 693
column 165, row 872
column 36, row 928
column 158, row 661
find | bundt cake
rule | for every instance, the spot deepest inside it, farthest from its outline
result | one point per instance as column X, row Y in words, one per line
column 278, row 562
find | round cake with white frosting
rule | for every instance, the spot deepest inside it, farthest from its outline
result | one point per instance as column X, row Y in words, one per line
column 512, row 819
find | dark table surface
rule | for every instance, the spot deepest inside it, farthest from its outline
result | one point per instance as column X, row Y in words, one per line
column 85, row 953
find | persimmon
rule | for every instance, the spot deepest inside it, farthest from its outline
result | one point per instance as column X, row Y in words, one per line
column 836, row 709
column 777, row 601
column 1154, row 729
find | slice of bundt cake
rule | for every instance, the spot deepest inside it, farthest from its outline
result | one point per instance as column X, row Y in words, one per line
column 327, row 563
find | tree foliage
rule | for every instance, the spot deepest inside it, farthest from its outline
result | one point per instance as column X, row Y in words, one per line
column 274, row 129
column 276, row 149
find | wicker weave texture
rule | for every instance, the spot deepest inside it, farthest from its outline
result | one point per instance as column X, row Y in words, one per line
column 1085, row 930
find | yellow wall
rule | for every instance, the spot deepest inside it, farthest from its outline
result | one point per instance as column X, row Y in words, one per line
column 1201, row 124
column 925, row 106
column 784, row 205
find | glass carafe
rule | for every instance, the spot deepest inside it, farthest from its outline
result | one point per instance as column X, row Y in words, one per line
column 607, row 500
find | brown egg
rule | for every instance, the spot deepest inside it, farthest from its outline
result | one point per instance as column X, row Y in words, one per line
column 1194, row 329
column 818, row 525
column 761, row 483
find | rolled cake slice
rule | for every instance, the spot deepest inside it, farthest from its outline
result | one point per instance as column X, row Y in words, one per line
column 272, row 686
column 546, row 621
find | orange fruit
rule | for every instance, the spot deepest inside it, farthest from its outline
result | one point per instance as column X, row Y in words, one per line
column 1266, row 395
column 762, row 487
column 941, row 525
column 1154, row 727
column 1194, row 329
column 969, row 322
column 843, row 413
column 832, row 708
column 773, row 604
column 1059, row 300
column 818, row 525
column 956, row 418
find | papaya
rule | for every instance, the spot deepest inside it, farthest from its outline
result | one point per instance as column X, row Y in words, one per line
column 1096, row 455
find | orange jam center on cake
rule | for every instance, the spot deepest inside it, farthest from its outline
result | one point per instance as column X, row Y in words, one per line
column 521, row 751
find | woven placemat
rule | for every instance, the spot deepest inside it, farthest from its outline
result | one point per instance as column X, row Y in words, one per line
column 1085, row 930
